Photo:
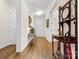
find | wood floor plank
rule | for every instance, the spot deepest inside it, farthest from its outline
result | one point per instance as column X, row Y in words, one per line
column 42, row 49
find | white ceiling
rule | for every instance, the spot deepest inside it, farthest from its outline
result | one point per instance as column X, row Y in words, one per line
column 10, row 2
column 36, row 5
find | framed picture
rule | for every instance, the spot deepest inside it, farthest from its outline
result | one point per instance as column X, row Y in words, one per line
column 29, row 21
column 47, row 23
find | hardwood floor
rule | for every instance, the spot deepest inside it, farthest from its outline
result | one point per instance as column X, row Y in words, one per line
column 42, row 49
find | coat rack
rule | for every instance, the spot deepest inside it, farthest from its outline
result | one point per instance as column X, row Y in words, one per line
column 67, row 16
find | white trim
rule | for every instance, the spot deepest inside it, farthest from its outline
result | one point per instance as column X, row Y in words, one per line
column 6, row 42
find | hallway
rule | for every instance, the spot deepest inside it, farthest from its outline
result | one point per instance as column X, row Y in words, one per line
column 42, row 49
column 38, row 29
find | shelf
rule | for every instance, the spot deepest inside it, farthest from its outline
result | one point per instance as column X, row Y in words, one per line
column 62, row 39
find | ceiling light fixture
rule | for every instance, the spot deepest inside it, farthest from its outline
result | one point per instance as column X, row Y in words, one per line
column 40, row 12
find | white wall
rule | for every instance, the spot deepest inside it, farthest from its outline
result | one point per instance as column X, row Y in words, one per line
column 39, row 23
column 12, row 24
column 48, row 31
column 4, row 24
column 24, row 25
column 8, row 23
column 55, row 21
column 4, row 21
column 21, row 25
column 53, row 24
column 18, row 25
column 40, row 27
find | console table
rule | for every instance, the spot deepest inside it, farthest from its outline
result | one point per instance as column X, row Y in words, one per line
column 32, row 37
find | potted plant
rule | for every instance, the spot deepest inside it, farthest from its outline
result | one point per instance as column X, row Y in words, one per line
column 32, row 30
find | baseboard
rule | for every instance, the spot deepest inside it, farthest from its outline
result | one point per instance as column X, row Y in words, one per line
column 49, row 39
column 6, row 42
